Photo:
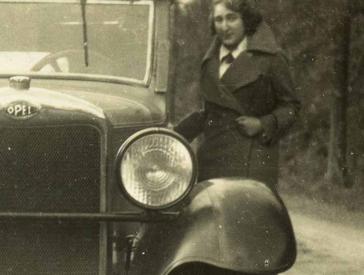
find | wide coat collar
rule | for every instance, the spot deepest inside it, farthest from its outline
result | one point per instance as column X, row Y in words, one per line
column 244, row 70
column 262, row 40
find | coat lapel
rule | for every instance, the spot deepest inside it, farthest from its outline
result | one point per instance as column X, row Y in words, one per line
column 245, row 69
column 248, row 66
column 214, row 90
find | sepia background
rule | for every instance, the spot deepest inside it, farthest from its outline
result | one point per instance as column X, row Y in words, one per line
column 322, row 159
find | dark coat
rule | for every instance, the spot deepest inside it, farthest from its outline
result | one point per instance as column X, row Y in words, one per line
column 258, row 83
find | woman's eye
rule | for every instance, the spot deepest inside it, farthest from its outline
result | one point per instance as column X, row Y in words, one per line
column 232, row 17
column 218, row 19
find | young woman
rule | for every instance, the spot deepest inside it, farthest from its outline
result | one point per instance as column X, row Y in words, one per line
column 248, row 94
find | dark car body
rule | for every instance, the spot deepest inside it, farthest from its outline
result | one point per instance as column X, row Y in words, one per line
column 78, row 79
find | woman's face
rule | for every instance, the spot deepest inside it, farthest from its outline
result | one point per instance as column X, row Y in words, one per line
column 229, row 26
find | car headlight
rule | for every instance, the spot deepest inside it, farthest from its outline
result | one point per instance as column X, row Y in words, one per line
column 157, row 168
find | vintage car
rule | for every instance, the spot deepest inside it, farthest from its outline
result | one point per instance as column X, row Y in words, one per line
column 92, row 178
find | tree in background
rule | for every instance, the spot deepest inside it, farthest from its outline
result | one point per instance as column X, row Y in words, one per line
column 337, row 170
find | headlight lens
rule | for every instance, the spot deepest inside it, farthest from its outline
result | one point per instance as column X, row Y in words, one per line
column 156, row 168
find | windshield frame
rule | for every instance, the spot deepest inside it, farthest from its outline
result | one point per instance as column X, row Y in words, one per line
column 98, row 77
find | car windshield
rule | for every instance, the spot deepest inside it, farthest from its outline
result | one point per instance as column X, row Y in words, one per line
column 93, row 39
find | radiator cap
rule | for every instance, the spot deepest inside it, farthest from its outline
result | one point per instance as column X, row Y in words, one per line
column 19, row 82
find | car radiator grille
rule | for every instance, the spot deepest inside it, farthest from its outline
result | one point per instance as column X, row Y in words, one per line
column 53, row 169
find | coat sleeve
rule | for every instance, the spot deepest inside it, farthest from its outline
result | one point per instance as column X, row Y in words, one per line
column 192, row 125
column 287, row 105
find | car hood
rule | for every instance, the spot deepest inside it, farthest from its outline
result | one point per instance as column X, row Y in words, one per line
column 122, row 105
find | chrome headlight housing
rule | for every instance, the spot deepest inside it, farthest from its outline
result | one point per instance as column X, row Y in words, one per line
column 156, row 168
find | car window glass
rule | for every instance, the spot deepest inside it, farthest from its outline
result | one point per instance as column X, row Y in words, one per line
column 47, row 37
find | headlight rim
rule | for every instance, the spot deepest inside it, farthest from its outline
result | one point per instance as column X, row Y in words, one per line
column 142, row 133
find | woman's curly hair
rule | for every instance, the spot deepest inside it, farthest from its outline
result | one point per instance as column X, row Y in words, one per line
column 250, row 15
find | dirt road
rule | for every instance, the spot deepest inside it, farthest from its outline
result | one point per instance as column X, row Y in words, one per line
column 330, row 239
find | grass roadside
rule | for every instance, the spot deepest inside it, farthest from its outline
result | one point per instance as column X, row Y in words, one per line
column 303, row 175
column 331, row 203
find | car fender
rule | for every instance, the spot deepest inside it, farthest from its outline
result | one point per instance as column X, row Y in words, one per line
column 231, row 223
